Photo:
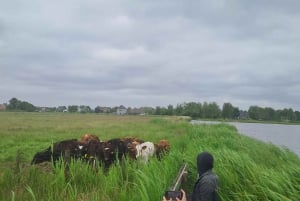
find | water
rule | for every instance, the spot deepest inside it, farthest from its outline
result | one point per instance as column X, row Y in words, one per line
column 279, row 134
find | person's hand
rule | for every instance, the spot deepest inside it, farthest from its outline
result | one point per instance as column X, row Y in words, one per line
column 183, row 196
column 165, row 199
column 177, row 199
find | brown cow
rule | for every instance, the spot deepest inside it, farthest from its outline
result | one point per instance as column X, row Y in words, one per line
column 131, row 143
column 86, row 138
column 161, row 148
column 93, row 151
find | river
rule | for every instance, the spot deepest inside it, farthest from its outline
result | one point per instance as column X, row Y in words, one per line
column 278, row 134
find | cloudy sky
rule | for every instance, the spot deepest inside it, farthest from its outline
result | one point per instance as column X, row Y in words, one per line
column 150, row 53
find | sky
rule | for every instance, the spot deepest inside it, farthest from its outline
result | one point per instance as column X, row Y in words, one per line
column 150, row 53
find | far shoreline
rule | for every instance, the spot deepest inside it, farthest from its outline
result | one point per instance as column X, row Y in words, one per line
column 248, row 121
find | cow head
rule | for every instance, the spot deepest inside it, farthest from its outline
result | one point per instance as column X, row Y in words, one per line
column 109, row 151
column 86, row 138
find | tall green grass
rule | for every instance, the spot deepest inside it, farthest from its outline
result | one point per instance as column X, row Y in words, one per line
column 248, row 169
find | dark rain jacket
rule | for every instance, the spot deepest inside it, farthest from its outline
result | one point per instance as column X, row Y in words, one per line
column 205, row 189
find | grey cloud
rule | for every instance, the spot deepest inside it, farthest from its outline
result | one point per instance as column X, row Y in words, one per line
column 150, row 52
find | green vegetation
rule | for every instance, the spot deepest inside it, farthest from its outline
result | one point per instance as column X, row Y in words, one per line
column 15, row 104
column 248, row 169
column 194, row 110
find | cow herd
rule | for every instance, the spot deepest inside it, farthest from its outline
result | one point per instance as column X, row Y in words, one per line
column 90, row 148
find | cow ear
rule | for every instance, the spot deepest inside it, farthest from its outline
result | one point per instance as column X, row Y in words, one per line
column 144, row 147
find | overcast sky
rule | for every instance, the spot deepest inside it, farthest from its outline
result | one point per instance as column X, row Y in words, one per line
column 150, row 53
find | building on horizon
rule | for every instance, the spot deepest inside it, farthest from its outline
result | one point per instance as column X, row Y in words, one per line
column 121, row 110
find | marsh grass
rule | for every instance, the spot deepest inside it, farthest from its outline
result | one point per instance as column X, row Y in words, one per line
column 248, row 169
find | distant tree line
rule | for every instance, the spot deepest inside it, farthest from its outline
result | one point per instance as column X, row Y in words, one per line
column 269, row 114
column 228, row 111
column 200, row 110
column 17, row 105
column 196, row 110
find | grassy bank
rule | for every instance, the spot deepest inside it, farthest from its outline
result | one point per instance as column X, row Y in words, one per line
column 247, row 169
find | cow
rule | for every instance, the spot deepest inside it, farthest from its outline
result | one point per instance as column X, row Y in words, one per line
column 113, row 150
column 73, row 147
column 130, row 143
column 42, row 156
column 161, row 148
column 93, row 151
column 145, row 151
column 86, row 138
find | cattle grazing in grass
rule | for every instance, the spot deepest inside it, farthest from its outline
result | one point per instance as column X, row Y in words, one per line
column 89, row 148
column 73, row 147
column 145, row 151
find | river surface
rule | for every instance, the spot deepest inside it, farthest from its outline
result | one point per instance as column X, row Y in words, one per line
column 278, row 134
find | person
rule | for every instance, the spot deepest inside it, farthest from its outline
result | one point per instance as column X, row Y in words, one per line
column 205, row 188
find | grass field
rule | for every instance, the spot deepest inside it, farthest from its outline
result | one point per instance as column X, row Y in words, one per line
column 248, row 169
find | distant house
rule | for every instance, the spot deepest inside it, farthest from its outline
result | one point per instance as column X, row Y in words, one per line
column 42, row 109
column 84, row 109
column 243, row 115
column 61, row 109
column 2, row 107
column 136, row 111
column 104, row 109
column 121, row 110
column 46, row 109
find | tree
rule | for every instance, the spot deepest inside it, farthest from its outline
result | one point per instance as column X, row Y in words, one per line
column 227, row 111
column 179, row 109
column 297, row 116
column 236, row 113
column 157, row 110
column 287, row 114
column 13, row 104
column 73, row 108
column 149, row 110
column 211, row 110
column 170, row 110
column 192, row 109
column 291, row 115
column 254, row 112
column 163, row 111
column 268, row 114
column 215, row 111
column 28, row 107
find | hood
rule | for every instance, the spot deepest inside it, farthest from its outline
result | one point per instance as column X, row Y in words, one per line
column 205, row 162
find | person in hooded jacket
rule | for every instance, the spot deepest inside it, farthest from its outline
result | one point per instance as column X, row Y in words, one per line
column 205, row 188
